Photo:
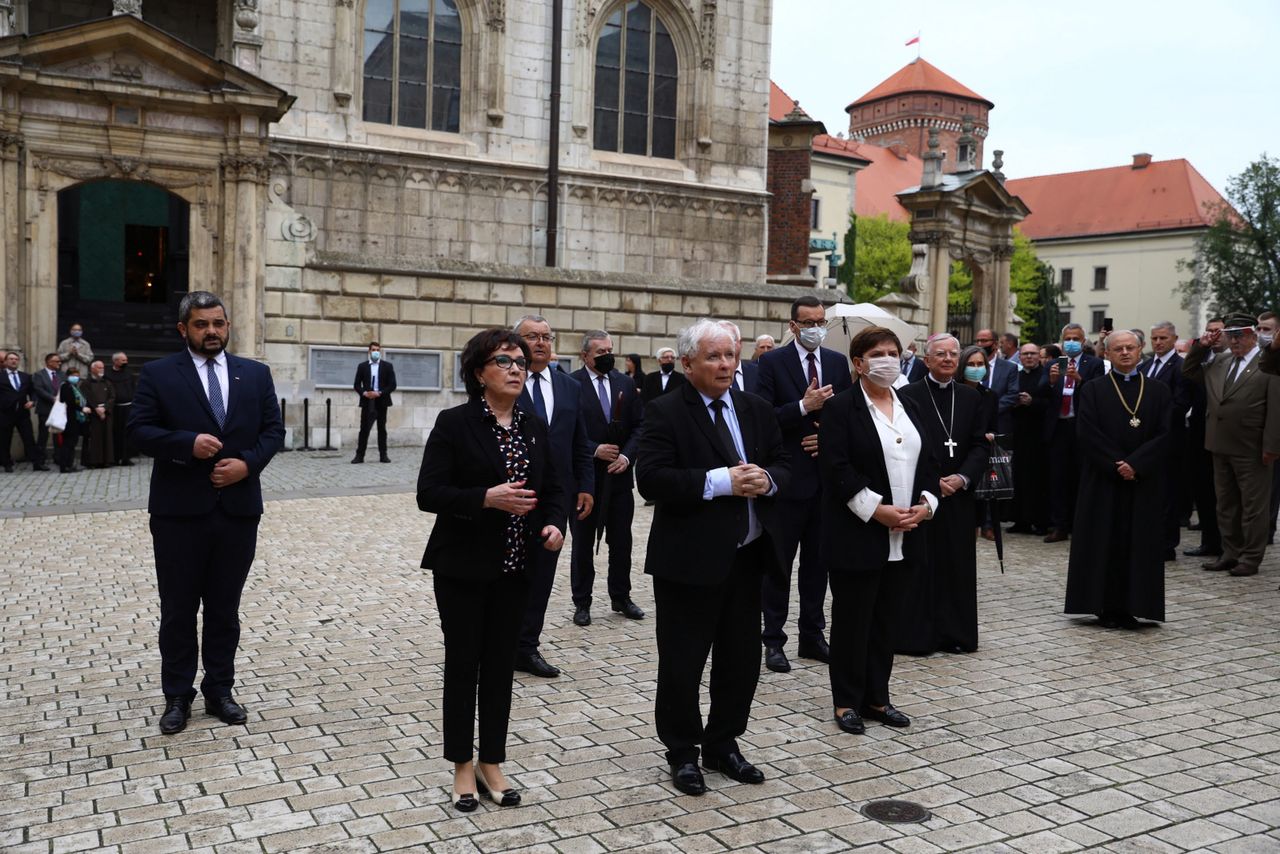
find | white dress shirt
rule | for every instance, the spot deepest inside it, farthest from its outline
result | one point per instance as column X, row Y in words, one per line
column 900, row 443
column 717, row 482
column 14, row 379
column 220, row 367
column 739, row 381
column 608, row 390
column 373, row 376
column 548, row 389
column 1158, row 364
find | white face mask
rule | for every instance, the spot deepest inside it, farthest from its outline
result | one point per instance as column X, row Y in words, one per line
column 811, row 339
column 883, row 370
column 1265, row 339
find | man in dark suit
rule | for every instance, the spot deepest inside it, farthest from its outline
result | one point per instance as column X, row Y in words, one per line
column 1199, row 460
column 913, row 366
column 712, row 457
column 17, row 399
column 612, row 407
column 797, row 380
column 663, row 380
column 1002, row 378
column 1059, row 388
column 1165, row 365
column 1031, row 469
column 45, row 384
column 746, row 376
column 556, row 398
column 212, row 423
column 375, row 381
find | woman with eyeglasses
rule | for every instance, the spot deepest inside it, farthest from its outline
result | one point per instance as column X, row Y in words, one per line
column 487, row 476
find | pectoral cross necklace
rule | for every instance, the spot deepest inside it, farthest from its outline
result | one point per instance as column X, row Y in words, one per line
column 1134, row 420
column 950, row 444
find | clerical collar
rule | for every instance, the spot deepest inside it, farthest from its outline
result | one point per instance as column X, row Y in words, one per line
column 938, row 384
column 1128, row 376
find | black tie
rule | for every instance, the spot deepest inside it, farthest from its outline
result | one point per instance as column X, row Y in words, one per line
column 726, row 439
column 1231, row 374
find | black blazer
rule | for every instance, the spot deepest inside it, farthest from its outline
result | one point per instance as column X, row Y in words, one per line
column 459, row 464
column 170, row 408
column 1090, row 368
column 652, row 386
column 691, row 540
column 570, row 448
column 622, row 430
column 853, row 460
column 13, row 400
column 917, row 369
column 386, row 383
column 1180, row 392
column 782, row 384
column 751, row 377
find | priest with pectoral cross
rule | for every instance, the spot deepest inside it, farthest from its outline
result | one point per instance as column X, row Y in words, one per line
column 941, row 607
column 1116, row 569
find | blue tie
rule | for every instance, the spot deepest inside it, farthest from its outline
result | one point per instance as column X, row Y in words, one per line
column 215, row 394
column 604, row 400
column 539, row 402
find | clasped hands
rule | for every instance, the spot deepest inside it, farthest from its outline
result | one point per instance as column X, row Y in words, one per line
column 901, row 519
column 749, row 480
column 225, row 472
column 513, row 498
column 612, row 455
column 950, row 485
column 1125, row 470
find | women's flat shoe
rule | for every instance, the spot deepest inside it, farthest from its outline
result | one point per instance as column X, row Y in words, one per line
column 851, row 722
column 889, row 716
column 505, row 798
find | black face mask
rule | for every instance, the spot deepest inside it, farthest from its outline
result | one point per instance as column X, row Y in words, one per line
column 666, row 369
column 604, row 363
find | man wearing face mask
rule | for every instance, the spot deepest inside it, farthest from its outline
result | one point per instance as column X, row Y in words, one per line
column 1059, row 387
column 1243, row 434
column 1031, row 473
column 1002, row 378
column 663, row 380
column 375, row 381
column 941, row 602
column 798, row 379
column 75, row 350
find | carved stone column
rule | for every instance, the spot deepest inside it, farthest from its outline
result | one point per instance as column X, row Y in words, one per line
column 12, row 325
column 244, row 185
column 343, row 79
column 999, row 311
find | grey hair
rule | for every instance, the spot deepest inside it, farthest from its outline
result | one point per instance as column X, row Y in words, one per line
column 760, row 338
column 1071, row 326
column 732, row 327
column 530, row 318
column 934, row 339
column 119, row 353
column 1166, row 324
column 1142, row 336
column 592, row 335
column 1106, row 342
column 198, row 299
column 661, row 350
column 692, row 336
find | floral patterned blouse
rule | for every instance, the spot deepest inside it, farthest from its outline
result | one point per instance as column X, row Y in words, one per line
column 515, row 455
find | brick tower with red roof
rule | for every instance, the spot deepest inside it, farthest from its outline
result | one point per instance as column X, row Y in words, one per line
column 902, row 109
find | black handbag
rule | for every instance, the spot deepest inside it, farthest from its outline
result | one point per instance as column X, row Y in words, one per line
column 997, row 481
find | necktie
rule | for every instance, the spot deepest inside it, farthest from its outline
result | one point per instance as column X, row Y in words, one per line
column 1231, row 374
column 726, row 439
column 55, row 379
column 539, row 402
column 13, row 378
column 1155, row 368
column 605, row 406
column 375, row 380
column 1066, row 398
column 215, row 394
column 813, row 368
column 738, row 381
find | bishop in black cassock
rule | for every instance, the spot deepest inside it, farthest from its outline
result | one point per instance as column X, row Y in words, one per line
column 940, row 608
column 1116, row 569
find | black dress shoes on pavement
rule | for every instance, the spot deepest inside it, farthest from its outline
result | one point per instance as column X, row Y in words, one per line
column 735, row 767
column 818, row 650
column 1243, row 569
column 582, row 616
column 176, row 712
column 1056, row 536
column 357, row 460
column 851, row 722
column 1201, row 551
column 628, row 609
column 225, row 709
column 688, row 779
column 776, row 660
column 534, row 663
column 43, row 467
column 889, row 716
column 384, row 459
column 1220, row 565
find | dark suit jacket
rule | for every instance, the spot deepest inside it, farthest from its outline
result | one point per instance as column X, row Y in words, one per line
column 170, row 408
column 1179, row 392
column 622, row 430
column 692, row 540
column 852, row 460
column 1004, row 383
column 1090, row 368
column 782, row 383
column 570, row 447
column 42, row 387
column 974, row 411
column 459, row 464
column 13, row 401
column 751, row 377
column 386, row 383
column 916, row 370
column 652, row 386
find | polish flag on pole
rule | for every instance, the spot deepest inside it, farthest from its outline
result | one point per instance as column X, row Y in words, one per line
column 913, row 40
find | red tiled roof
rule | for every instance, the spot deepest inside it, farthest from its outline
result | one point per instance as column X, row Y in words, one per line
column 919, row 75
column 1167, row 194
column 780, row 103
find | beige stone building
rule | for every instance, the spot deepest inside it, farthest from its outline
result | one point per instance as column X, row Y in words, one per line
column 351, row 170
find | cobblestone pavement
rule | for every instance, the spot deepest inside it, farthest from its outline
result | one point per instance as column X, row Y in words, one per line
column 1055, row 736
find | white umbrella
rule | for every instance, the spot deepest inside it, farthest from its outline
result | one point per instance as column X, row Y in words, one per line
column 844, row 321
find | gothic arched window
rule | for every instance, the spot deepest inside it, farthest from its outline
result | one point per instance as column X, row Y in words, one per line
column 413, row 63
column 636, row 76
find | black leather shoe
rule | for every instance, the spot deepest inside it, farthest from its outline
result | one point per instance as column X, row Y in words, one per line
column 818, row 650
column 688, row 779
column 176, row 712
column 1056, row 536
column 851, row 722
column 1243, row 569
column 384, row 459
column 1221, row 565
column 582, row 616
column 225, row 709
column 1170, row 554
column 9, row 469
column 628, row 609
column 735, row 767
column 776, row 660
column 1201, row 551
column 889, row 716
column 533, row 662
column 40, row 467
column 357, row 460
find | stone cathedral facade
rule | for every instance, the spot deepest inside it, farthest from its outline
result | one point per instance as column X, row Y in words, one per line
column 343, row 171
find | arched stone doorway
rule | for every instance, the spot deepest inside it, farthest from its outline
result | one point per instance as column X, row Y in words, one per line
column 123, row 263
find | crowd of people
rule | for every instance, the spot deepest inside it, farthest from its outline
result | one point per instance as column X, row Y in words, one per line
column 95, row 400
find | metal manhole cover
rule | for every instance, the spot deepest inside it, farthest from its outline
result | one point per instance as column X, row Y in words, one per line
column 895, row 812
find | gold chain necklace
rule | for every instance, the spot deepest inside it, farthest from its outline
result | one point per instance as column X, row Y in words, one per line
column 1134, row 420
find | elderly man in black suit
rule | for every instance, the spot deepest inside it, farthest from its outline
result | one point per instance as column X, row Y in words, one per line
column 375, row 381
column 212, row 422
column 1059, row 388
column 17, row 399
column 713, row 457
column 665, row 379
column 1165, row 365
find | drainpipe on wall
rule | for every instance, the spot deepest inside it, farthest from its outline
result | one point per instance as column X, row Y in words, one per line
column 553, row 158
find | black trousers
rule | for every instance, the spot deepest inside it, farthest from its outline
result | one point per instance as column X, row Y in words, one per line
column 20, row 421
column 370, row 414
column 863, row 608
column 201, row 561
column 122, row 448
column 480, row 620
column 1205, row 494
column 1064, row 475
column 695, row 622
column 616, row 519
column 800, row 523
column 66, row 441
column 43, row 434
column 1030, row 507
column 542, row 577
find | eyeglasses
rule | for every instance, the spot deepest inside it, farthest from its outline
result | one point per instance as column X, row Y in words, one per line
column 505, row 362
column 534, row 337
column 809, row 324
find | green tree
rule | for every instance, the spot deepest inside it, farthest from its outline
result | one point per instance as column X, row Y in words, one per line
column 1032, row 281
column 1237, row 262
column 881, row 256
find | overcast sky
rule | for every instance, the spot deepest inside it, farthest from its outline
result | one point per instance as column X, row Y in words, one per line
column 1078, row 85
